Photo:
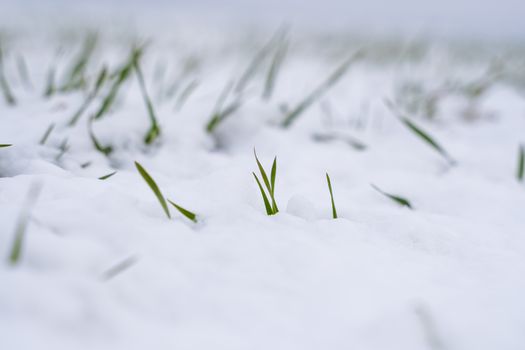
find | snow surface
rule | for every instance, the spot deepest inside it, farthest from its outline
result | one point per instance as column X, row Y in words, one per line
column 446, row 275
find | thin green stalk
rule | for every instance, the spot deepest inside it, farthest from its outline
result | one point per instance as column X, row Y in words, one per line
column 429, row 140
column 101, row 78
column 23, row 222
column 399, row 200
column 120, row 77
column 105, row 177
column 521, row 164
column 49, row 129
column 154, row 188
column 154, row 130
column 6, row 90
column 334, row 211
column 320, row 90
column 188, row 214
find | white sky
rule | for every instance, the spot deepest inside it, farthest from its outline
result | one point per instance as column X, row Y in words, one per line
column 464, row 18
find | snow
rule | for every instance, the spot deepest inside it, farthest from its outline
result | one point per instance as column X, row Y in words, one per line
column 446, row 275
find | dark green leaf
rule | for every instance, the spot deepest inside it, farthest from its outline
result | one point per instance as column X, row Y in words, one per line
column 153, row 185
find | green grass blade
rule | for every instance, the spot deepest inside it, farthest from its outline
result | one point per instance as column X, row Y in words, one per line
column 185, row 94
column 153, row 185
column 188, row 214
column 154, row 130
column 3, row 145
column 105, row 150
column 399, row 200
column 120, row 76
column 334, row 211
column 105, row 177
column 274, row 70
column 4, row 86
column 50, row 83
column 320, row 90
column 48, row 132
column 23, row 72
column 273, row 174
column 263, row 173
column 75, row 76
column 429, row 140
column 21, row 227
column 257, row 60
column 521, row 164
column 118, row 268
column 267, row 205
column 98, row 84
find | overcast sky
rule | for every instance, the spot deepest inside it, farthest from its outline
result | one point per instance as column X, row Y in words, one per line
column 465, row 18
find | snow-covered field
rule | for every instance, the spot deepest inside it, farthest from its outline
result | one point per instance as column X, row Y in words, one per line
column 102, row 267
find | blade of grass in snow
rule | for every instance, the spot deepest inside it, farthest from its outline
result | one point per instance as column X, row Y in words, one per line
column 429, row 140
column 49, row 129
column 320, row 90
column 101, row 78
column 3, row 145
column 334, row 211
column 399, row 200
column 6, row 90
column 188, row 214
column 21, row 227
column 185, row 94
column 118, row 268
column 23, row 72
column 50, row 83
column 521, row 164
column 105, row 177
column 275, row 67
column 220, row 115
column 329, row 137
column 267, row 205
column 257, row 61
column 272, row 208
column 105, row 150
column 154, row 130
column 153, row 185
column 63, row 148
column 75, row 76
column 120, row 77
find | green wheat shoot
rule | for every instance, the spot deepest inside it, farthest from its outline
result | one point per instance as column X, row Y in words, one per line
column 271, row 208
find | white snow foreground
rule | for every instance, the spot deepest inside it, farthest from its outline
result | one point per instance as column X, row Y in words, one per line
column 101, row 266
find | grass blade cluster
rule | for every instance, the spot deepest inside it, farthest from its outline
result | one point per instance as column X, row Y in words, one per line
column 158, row 194
column 101, row 78
column 271, row 208
column 76, row 75
column 119, row 78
